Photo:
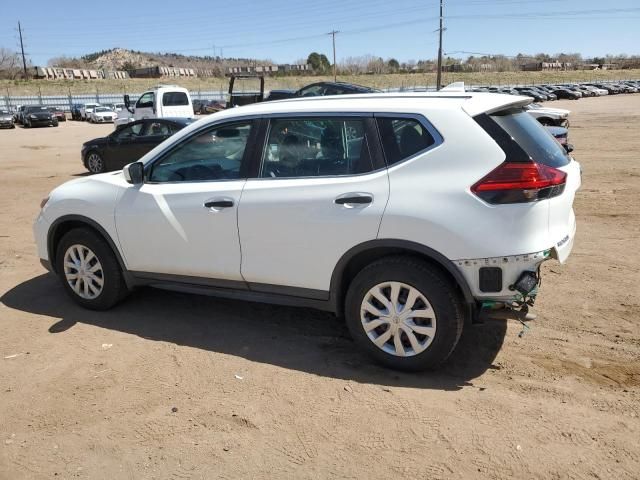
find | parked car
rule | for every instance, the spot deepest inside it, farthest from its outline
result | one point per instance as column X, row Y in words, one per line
column 320, row 89
column 345, row 224
column 561, row 134
column 557, row 117
column 527, row 91
column 164, row 101
column 599, row 92
column 547, row 91
column 6, row 119
column 86, row 109
column 38, row 116
column 102, row 115
column 18, row 115
column 76, row 111
column 204, row 107
column 565, row 93
column 128, row 143
column 58, row 113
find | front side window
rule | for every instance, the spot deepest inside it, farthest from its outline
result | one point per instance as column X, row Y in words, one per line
column 128, row 132
column 403, row 138
column 313, row 147
column 174, row 99
column 312, row 91
column 215, row 154
column 145, row 101
column 158, row 128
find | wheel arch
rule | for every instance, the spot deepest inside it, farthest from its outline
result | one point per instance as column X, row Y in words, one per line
column 65, row 224
column 361, row 255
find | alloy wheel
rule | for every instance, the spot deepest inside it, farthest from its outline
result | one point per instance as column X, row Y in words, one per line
column 94, row 163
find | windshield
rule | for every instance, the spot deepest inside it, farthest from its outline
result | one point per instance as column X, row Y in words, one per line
column 102, row 109
column 37, row 109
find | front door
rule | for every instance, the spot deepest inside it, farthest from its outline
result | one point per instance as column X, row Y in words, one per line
column 125, row 146
column 145, row 106
column 182, row 221
column 322, row 189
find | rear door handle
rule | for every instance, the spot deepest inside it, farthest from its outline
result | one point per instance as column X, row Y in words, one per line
column 354, row 198
column 219, row 203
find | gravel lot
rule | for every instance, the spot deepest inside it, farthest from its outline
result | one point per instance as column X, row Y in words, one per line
column 169, row 385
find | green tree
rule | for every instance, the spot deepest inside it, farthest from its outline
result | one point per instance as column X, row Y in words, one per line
column 319, row 62
column 393, row 65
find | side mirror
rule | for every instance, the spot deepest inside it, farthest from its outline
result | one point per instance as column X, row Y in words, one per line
column 134, row 173
column 127, row 101
column 568, row 147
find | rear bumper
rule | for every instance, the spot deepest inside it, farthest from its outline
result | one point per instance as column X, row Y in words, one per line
column 510, row 268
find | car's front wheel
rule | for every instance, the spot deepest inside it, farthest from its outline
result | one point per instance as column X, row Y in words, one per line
column 95, row 162
column 405, row 313
column 89, row 270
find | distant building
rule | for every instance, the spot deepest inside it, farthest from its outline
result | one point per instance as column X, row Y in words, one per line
column 58, row 73
column 542, row 66
column 161, row 72
column 268, row 69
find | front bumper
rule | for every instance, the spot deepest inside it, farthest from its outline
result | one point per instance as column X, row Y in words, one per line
column 41, row 123
column 40, row 233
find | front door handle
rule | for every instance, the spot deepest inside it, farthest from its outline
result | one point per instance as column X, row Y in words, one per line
column 219, row 203
column 354, row 198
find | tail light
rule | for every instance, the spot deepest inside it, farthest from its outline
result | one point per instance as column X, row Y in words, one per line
column 520, row 182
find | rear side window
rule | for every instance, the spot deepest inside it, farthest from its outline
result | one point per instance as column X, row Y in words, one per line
column 316, row 147
column 174, row 99
column 403, row 138
column 521, row 129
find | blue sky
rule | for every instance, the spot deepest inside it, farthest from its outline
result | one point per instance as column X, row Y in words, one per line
column 285, row 30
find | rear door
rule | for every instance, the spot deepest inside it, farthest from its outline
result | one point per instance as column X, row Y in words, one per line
column 320, row 189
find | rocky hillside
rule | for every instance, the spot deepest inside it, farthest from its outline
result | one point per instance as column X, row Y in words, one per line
column 123, row 59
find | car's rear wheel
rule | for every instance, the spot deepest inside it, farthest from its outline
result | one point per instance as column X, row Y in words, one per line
column 95, row 162
column 404, row 313
column 89, row 270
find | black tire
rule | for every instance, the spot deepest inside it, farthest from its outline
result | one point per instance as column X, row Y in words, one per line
column 438, row 290
column 94, row 165
column 114, row 288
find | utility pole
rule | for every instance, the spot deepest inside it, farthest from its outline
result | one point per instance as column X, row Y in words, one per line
column 24, row 62
column 439, row 73
column 333, row 35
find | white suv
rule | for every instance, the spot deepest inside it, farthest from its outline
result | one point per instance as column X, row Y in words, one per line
column 406, row 213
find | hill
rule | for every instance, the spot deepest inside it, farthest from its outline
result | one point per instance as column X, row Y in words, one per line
column 124, row 59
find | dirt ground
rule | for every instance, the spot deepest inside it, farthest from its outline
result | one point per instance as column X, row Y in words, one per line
column 174, row 386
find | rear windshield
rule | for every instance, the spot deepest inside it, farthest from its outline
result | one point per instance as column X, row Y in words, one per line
column 174, row 99
column 531, row 137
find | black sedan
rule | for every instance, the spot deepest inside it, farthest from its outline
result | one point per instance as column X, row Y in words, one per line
column 567, row 93
column 6, row 119
column 129, row 143
column 321, row 89
column 38, row 116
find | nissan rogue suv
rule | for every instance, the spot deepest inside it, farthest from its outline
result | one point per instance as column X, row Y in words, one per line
column 404, row 213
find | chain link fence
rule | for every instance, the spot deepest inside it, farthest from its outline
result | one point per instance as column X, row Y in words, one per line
column 9, row 102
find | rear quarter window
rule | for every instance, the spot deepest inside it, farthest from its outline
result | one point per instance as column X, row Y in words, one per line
column 175, row 99
column 524, row 131
column 402, row 138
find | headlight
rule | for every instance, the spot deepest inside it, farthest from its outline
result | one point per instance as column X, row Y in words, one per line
column 33, row 116
column 43, row 202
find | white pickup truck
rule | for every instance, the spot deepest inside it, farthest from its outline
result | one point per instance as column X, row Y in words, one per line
column 161, row 102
